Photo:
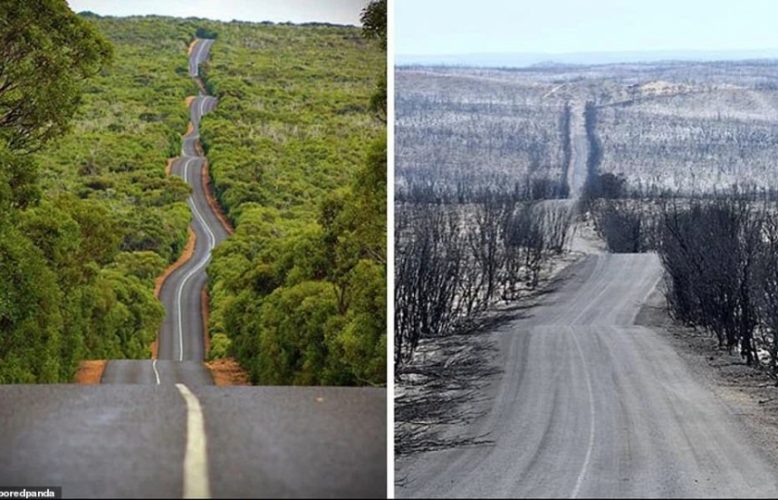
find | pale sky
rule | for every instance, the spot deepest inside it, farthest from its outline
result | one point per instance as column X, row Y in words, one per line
column 563, row 26
column 296, row 11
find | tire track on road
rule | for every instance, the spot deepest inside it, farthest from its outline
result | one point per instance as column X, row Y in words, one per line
column 623, row 417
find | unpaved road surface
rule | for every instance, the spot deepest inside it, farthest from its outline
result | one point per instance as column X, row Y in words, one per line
column 590, row 405
column 578, row 169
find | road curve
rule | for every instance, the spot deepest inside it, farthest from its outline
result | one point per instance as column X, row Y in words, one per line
column 591, row 405
column 138, row 435
column 182, row 333
column 181, row 337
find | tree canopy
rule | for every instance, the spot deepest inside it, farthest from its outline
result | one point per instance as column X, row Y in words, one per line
column 46, row 52
column 298, row 293
column 87, row 221
column 374, row 21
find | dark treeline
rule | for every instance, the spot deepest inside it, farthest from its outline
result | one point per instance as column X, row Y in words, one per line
column 454, row 260
column 567, row 145
column 531, row 188
column 721, row 261
column 612, row 186
column 627, row 225
column 722, row 272
column 629, row 219
column 595, row 147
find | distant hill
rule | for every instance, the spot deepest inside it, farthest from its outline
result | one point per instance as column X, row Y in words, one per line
column 525, row 59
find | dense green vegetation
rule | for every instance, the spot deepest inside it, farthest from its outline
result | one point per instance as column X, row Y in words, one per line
column 298, row 160
column 87, row 217
column 131, row 120
column 92, row 110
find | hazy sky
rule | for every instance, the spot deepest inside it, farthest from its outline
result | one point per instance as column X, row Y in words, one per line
column 557, row 26
column 296, row 11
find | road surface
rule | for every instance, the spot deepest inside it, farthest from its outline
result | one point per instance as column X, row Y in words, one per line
column 182, row 333
column 591, row 405
column 578, row 169
column 159, row 428
column 155, row 371
column 181, row 338
column 128, row 440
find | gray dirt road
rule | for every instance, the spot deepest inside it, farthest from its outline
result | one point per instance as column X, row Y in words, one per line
column 577, row 170
column 590, row 405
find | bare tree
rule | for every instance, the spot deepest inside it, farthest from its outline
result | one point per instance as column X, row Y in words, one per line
column 766, row 296
column 710, row 251
column 454, row 260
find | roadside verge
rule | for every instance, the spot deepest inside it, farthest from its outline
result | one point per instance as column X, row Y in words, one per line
column 90, row 371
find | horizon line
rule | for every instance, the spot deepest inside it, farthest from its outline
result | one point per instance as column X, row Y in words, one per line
column 265, row 21
column 567, row 53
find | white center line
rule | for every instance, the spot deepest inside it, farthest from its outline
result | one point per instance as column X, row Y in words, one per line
column 200, row 265
column 180, row 288
column 154, row 367
column 201, row 44
column 198, row 52
column 201, row 219
column 196, row 484
column 202, row 112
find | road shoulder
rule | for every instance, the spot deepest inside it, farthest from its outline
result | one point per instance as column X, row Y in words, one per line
column 90, row 371
column 749, row 394
column 441, row 397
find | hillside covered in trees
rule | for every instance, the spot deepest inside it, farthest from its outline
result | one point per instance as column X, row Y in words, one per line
column 480, row 128
column 297, row 157
column 89, row 219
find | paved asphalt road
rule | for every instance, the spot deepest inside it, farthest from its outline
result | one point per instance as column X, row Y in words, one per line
column 182, row 333
column 590, row 405
column 129, row 441
column 159, row 428
column 161, row 371
column 181, row 336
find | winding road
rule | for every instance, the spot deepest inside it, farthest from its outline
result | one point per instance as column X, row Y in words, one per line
column 589, row 404
column 182, row 334
column 160, row 428
column 181, row 345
